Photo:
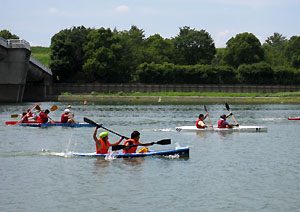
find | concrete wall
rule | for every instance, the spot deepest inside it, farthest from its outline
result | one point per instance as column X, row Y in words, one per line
column 14, row 63
column 114, row 88
column 17, row 69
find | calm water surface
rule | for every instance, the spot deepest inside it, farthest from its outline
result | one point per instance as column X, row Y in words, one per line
column 225, row 172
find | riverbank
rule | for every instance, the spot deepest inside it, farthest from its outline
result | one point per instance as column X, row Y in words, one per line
column 114, row 99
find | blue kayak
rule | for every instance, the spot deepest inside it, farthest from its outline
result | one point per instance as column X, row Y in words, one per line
column 56, row 124
column 181, row 152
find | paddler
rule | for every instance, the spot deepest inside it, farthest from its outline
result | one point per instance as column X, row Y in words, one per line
column 134, row 141
column 44, row 118
column 31, row 116
column 223, row 123
column 200, row 122
column 66, row 117
column 102, row 144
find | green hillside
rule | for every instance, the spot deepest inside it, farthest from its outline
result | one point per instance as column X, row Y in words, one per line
column 42, row 54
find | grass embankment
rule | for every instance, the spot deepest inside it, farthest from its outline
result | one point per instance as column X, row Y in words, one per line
column 184, row 98
column 42, row 54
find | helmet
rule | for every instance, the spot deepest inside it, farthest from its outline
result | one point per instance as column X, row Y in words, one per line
column 69, row 106
column 223, row 116
column 103, row 134
column 67, row 111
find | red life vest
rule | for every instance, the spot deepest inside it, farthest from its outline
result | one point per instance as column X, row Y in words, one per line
column 220, row 124
column 25, row 119
column 197, row 125
column 43, row 118
column 64, row 118
column 104, row 147
column 132, row 149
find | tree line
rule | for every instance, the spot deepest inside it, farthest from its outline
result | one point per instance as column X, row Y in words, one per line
column 87, row 55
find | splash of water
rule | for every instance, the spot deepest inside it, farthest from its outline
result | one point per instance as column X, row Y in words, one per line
column 111, row 155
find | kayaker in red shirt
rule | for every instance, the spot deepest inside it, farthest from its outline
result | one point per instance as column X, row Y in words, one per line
column 200, row 122
column 134, row 141
column 25, row 119
column 102, row 144
column 43, row 117
column 223, row 123
column 67, row 117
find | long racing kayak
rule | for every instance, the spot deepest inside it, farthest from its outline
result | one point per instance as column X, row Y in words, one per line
column 234, row 129
column 296, row 118
column 56, row 124
column 38, row 124
column 180, row 151
column 27, row 122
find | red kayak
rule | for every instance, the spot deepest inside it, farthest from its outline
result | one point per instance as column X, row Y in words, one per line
column 27, row 122
column 296, row 118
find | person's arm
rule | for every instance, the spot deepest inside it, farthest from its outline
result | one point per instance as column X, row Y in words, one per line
column 118, row 142
column 143, row 144
column 205, row 116
column 95, row 135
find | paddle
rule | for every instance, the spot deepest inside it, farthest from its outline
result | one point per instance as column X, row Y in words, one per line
column 17, row 115
column 36, row 106
column 228, row 108
column 100, row 126
column 161, row 142
column 53, row 108
column 208, row 116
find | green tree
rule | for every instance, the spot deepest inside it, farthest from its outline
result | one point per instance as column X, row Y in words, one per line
column 256, row 73
column 67, row 56
column 245, row 48
column 292, row 51
column 158, row 49
column 104, row 53
column 7, row 35
column 132, row 42
column 274, row 50
column 196, row 47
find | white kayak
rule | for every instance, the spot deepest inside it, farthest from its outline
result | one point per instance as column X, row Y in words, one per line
column 234, row 129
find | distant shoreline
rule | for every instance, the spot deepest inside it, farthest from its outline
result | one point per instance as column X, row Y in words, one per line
column 107, row 99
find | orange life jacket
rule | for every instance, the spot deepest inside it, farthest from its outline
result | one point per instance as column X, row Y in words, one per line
column 104, row 147
column 132, row 149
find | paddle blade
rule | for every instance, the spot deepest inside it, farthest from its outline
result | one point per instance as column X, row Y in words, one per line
column 53, row 108
column 37, row 107
column 164, row 142
column 91, row 122
column 227, row 106
column 205, row 108
column 14, row 115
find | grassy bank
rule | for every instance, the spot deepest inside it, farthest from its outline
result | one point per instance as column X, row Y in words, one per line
column 184, row 98
column 42, row 54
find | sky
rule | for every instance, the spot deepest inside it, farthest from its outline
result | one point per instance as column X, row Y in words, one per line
column 36, row 21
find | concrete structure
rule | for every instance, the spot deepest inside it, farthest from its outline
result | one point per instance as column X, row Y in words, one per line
column 22, row 77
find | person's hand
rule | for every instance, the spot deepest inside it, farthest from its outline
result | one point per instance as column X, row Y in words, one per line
column 123, row 137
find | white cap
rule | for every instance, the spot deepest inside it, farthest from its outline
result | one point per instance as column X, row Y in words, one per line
column 67, row 111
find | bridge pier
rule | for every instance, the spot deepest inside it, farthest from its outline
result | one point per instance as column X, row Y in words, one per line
column 19, row 72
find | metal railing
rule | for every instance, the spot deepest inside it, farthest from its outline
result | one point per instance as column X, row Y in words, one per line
column 18, row 43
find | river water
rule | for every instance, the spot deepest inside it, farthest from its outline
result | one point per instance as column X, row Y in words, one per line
column 237, row 171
